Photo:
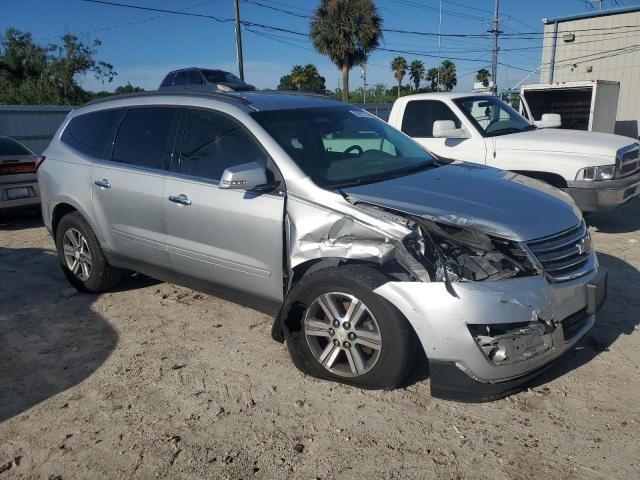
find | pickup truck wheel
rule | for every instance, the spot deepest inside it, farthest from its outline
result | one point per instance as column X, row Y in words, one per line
column 81, row 256
column 347, row 333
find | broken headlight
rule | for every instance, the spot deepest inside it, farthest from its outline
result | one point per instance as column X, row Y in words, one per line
column 504, row 344
column 454, row 253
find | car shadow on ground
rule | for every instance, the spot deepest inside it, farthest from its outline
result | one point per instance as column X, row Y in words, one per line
column 616, row 318
column 48, row 343
column 20, row 219
column 624, row 219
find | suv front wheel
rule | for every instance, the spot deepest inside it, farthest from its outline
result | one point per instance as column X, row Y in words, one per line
column 81, row 256
column 348, row 333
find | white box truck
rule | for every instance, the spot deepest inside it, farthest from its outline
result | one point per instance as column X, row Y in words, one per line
column 589, row 105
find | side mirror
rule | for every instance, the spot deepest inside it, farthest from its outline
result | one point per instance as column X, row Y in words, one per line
column 549, row 120
column 447, row 129
column 245, row 176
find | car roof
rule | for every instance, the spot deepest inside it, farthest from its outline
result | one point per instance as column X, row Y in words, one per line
column 441, row 95
column 249, row 101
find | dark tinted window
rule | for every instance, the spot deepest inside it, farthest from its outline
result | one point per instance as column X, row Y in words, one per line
column 144, row 137
column 419, row 116
column 213, row 142
column 181, row 78
column 92, row 133
column 8, row 146
column 168, row 80
column 215, row 76
column 195, row 78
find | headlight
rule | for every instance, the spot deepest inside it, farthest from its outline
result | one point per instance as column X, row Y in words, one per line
column 224, row 88
column 603, row 172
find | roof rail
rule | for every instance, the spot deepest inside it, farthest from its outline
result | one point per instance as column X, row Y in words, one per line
column 172, row 93
column 294, row 92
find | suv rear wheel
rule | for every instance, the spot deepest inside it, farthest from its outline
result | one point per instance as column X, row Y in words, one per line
column 347, row 332
column 81, row 256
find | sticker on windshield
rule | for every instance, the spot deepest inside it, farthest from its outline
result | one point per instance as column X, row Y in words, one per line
column 361, row 113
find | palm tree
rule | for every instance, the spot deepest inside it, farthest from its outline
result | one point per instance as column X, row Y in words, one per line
column 483, row 76
column 448, row 76
column 416, row 72
column 399, row 67
column 346, row 31
column 298, row 76
column 432, row 76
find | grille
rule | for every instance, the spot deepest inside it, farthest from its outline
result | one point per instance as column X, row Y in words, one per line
column 564, row 255
column 574, row 323
column 629, row 162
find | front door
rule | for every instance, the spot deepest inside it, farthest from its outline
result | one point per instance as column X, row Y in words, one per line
column 128, row 190
column 417, row 122
column 232, row 238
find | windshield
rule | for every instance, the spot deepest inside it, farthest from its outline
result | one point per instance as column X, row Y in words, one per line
column 8, row 146
column 340, row 146
column 215, row 76
column 491, row 116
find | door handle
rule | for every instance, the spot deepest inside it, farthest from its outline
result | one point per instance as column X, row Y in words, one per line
column 104, row 183
column 181, row 199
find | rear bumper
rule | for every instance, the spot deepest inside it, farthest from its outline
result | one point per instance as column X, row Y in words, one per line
column 458, row 368
column 600, row 195
column 6, row 200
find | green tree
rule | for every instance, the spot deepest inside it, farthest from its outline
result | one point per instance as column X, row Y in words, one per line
column 416, row 72
column 399, row 67
column 483, row 76
column 31, row 73
column 347, row 31
column 305, row 78
column 432, row 76
column 448, row 77
column 128, row 88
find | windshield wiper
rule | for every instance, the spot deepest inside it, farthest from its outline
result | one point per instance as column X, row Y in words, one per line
column 507, row 131
column 385, row 176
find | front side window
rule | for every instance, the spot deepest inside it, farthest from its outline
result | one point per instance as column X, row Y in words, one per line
column 491, row 116
column 92, row 133
column 215, row 76
column 145, row 137
column 181, row 78
column 195, row 78
column 339, row 146
column 419, row 116
column 213, row 142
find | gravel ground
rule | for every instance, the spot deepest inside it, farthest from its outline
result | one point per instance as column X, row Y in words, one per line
column 156, row 380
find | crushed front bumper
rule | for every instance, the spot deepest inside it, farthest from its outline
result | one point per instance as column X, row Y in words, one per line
column 459, row 369
column 603, row 194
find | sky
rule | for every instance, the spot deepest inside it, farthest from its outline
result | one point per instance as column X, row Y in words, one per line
column 144, row 45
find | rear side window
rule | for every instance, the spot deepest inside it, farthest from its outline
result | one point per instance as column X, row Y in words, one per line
column 9, row 146
column 419, row 116
column 181, row 78
column 213, row 142
column 168, row 80
column 145, row 137
column 92, row 133
column 195, row 78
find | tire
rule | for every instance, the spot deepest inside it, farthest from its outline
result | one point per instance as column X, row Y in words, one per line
column 377, row 324
column 74, row 234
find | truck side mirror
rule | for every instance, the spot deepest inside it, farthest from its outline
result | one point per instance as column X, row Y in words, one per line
column 447, row 129
column 245, row 176
column 549, row 120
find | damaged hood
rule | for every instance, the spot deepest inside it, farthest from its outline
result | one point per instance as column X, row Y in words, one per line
column 493, row 201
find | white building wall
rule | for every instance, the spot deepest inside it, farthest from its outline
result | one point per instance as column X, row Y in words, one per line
column 605, row 48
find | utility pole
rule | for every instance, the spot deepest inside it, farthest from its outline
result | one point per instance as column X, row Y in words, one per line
column 239, row 40
column 364, row 78
column 496, row 32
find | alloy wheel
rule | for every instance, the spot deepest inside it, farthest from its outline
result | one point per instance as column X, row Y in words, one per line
column 343, row 334
column 77, row 254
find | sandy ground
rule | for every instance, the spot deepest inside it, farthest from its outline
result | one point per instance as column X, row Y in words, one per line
column 156, row 380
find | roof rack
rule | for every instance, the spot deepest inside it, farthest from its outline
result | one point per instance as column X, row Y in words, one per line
column 293, row 92
column 172, row 93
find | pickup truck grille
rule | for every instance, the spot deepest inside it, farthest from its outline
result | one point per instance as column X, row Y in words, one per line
column 629, row 162
column 563, row 255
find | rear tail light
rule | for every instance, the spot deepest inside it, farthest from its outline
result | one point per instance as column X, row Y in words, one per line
column 39, row 160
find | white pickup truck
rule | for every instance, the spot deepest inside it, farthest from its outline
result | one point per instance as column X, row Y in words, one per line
column 598, row 170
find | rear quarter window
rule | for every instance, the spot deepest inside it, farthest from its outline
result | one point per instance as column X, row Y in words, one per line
column 92, row 133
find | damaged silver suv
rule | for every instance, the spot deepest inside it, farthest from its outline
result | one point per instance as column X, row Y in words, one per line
column 370, row 246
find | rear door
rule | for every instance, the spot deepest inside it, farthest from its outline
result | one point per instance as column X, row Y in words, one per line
column 417, row 122
column 232, row 238
column 128, row 190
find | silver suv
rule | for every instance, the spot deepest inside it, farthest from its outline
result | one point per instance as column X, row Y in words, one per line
column 370, row 246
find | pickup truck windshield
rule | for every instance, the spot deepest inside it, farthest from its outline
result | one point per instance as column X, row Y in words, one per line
column 341, row 146
column 491, row 116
